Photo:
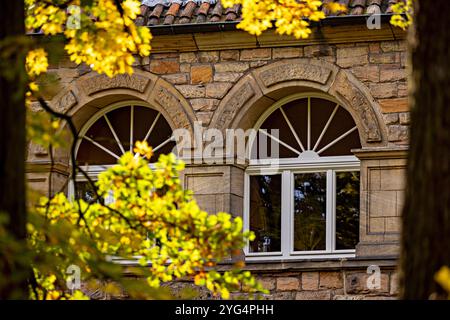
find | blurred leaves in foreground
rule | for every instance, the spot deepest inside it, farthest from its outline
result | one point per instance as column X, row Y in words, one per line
column 151, row 220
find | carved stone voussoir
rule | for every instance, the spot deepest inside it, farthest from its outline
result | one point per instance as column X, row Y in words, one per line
column 360, row 105
column 294, row 72
column 172, row 105
column 101, row 82
column 232, row 106
column 66, row 102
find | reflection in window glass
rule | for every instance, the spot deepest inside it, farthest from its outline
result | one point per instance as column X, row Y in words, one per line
column 86, row 193
column 265, row 213
column 310, row 211
column 347, row 210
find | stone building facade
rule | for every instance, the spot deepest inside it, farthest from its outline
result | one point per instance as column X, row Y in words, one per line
column 204, row 70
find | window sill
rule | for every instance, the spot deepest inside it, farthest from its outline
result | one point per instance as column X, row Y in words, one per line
column 300, row 257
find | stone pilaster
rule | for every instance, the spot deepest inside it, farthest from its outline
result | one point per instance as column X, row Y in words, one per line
column 383, row 173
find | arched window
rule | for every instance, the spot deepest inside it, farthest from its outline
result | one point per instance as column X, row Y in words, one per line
column 114, row 130
column 302, row 182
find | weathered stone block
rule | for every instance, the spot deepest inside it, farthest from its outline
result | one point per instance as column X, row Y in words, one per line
column 67, row 74
column 352, row 56
column 402, row 89
column 374, row 176
column 289, row 295
column 177, row 78
column 185, row 67
column 383, row 203
column 345, row 86
column 229, row 55
column 398, row 133
column 374, row 47
column 203, row 104
column 164, row 66
column 357, row 283
column 330, row 280
column 102, row 82
column 394, row 105
column 201, row 74
column 204, row 117
column 256, row 64
column 66, row 102
column 393, row 224
column 389, row 73
column 400, row 201
column 391, row 57
column 208, row 56
column 405, row 118
column 165, row 55
column 394, row 284
column 404, row 60
column 171, row 103
column 192, row 91
column 231, row 66
column 348, row 297
column 227, row 76
column 313, row 295
column 390, row 46
column 256, row 54
column 390, row 118
column 376, row 225
column 310, row 280
column 393, row 179
column 188, row 57
column 367, row 73
column 287, row 71
column 285, row 53
column 268, row 283
column 384, row 90
column 288, row 283
column 318, row 51
column 217, row 90
column 378, row 297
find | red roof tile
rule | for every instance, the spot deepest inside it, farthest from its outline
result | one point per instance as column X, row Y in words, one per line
column 166, row 12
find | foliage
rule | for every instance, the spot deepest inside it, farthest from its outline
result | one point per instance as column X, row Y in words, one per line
column 403, row 13
column 152, row 220
column 289, row 17
column 293, row 17
column 99, row 33
column 443, row 278
column 152, row 217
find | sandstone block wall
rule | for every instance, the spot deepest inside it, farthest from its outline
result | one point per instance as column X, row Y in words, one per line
column 199, row 81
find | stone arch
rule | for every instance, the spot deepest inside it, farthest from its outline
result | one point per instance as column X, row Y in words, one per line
column 261, row 88
column 92, row 92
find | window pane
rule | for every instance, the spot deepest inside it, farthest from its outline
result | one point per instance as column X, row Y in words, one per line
column 89, row 154
column 265, row 213
column 310, row 211
column 120, row 120
column 86, row 193
column 347, row 210
column 341, row 123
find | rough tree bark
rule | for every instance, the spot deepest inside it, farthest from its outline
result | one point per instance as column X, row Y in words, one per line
column 12, row 146
column 426, row 215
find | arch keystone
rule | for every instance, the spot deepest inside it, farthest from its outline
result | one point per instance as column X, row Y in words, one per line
column 295, row 72
column 102, row 82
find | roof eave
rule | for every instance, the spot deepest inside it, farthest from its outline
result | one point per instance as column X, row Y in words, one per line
column 232, row 25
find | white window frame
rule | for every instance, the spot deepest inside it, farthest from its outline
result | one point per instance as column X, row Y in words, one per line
column 93, row 171
column 287, row 167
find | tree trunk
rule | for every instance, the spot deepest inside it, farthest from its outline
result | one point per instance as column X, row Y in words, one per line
column 12, row 146
column 426, row 215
